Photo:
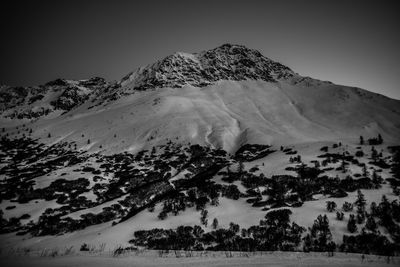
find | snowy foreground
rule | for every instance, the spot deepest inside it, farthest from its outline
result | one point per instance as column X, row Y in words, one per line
column 153, row 258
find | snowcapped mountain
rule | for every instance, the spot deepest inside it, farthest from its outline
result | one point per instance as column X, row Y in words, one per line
column 227, row 133
column 224, row 97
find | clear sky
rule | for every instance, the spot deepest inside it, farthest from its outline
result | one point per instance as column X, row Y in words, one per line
column 347, row 42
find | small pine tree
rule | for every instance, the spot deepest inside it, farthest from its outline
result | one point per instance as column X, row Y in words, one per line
column 374, row 209
column 360, row 217
column 88, row 141
column 151, row 207
column 365, row 171
column 203, row 218
column 351, row 225
column 360, row 202
column 320, row 234
column 343, row 166
column 215, row 223
column 396, row 164
column 361, row 140
column 244, row 232
column 330, row 206
column 339, row 215
column 396, row 190
column 163, row 214
column 376, row 179
column 233, row 227
column 49, row 135
column 317, row 164
column 371, row 224
column 374, row 154
column 347, row 206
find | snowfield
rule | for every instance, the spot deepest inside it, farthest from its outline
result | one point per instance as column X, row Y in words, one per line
column 221, row 259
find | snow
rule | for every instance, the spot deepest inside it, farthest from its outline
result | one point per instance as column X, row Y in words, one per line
column 238, row 259
column 34, row 208
column 226, row 114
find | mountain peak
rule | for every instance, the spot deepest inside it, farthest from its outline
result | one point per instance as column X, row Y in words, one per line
column 236, row 49
column 225, row 62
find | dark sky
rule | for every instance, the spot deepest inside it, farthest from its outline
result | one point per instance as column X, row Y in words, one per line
column 347, row 42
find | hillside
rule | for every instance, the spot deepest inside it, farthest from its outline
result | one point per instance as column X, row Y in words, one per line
column 225, row 133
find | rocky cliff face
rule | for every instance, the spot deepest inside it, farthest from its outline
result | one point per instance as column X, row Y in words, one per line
column 227, row 62
column 60, row 94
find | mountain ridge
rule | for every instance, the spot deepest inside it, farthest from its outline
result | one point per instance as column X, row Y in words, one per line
column 92, row 161
column 224, row 97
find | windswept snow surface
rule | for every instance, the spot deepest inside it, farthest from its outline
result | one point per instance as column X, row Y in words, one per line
column 238, row 259
column 226, row 114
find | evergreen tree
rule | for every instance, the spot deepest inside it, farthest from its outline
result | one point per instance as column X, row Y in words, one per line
column 163, row 214
column 339, row 215
column 376, row 179
column 374, row 209
column 330, row 206
column 365, row 171
column 374, row 154
column 371, row 224
column 360, row 202
column 361, row 140
column 347, row 206
column 343, row 166
column 233, row 227
column 360, row 217
column 321, row 235
column 203, row 218
column 215, row 224
column 351, row 225
column 244, row 232
column 276, row 192
column 395, row 168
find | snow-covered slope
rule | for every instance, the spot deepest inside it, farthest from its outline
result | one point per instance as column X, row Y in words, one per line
column 221, row 98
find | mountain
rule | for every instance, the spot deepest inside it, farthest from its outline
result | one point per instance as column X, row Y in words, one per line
column 224, row 97
column 224, row 134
